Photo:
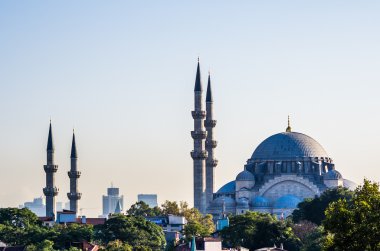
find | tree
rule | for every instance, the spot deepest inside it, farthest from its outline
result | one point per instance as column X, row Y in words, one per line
column 45, row 245
column 21, row 227
column 72, row 233
column 170, row 207
column 197, row 224
column 255, row 230
column 313, row 210
column 118, row 245
column 135, row 231
column 142, row 209
column 354, row 224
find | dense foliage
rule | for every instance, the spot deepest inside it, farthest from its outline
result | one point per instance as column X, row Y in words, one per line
column 313, row 210
column 135, row 231
column 355, row 224
column 255, row 230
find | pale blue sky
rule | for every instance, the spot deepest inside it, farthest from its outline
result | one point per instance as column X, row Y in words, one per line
column 122, row 73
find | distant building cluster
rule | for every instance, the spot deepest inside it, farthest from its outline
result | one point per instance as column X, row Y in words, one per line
column 113, row 202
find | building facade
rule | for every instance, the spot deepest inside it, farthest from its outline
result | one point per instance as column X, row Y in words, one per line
column 111, row 201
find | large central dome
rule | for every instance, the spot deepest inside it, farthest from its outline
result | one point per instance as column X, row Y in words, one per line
column 288, row 145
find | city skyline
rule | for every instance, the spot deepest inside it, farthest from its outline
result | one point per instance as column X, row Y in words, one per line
column 126, row 86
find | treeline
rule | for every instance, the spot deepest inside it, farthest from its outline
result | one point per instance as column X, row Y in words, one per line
column 339, row 219
column 21, row 227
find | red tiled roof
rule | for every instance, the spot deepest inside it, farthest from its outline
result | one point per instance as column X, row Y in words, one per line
column 92, row 221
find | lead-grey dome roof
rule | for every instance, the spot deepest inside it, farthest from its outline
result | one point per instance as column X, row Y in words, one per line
column 245, row 176
column 288, row 145
column 332, row 175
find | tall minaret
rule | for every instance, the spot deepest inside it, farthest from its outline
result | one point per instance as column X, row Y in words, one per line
column 74, row 175
column 199, row 154
column 50, row 190
column 211, row 144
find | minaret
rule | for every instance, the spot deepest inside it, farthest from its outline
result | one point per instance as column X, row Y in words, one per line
column 74, row 175
column 211, row 144
column 199, row 154
column 50, row 190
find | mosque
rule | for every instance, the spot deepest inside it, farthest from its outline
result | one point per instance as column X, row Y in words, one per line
column 284, row 169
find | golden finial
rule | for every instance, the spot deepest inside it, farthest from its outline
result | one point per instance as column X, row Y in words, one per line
column 288, row 129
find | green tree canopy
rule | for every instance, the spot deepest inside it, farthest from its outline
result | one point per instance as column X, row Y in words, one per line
column 197, row 224
column 72, row 233
column 135, row 231
column 142, row 209
column 255, row 230
column 355, row 225
column 313, row 210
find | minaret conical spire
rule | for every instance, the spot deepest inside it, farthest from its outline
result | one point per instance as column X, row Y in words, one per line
column 198, row 82
column 50, row 145
column 73, row 148
column 209, row 91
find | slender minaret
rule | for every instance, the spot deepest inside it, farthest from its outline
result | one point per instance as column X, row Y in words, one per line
column 74, row 175
column 50, row 190
column 211, row 144
column 199, row 154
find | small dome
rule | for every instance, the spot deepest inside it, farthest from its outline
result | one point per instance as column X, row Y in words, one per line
column 245, row 176
column 260, row 201
column 243, row 202
column 227, row 188
column 332, row 175
column 349, row 184
column 287, row 201
column 227, row 201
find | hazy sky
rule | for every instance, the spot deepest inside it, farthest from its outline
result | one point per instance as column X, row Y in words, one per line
column 122, row 73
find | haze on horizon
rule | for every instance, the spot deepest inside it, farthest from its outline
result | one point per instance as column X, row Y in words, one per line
column 122, row 74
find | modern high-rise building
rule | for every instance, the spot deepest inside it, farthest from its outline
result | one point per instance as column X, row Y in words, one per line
column 38, row 206
column 149, row 199
column 111, row 200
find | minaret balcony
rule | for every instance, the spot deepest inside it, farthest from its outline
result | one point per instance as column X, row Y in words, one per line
column 199, row 154
column 74, row 196
column 74, row 174
column 211, row 123
column 212, row 162
column 51, row 191
column 211, row 143
column 198, row 134
column 198, row 114
column 50, row 168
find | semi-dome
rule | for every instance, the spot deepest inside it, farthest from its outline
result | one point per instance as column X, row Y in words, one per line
column 224, row 200
column 260, row 201
column 245, row 176
column 349, row 184
column 288, row 145
column 228, row 188
column 332, row 175
column 287, row 201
